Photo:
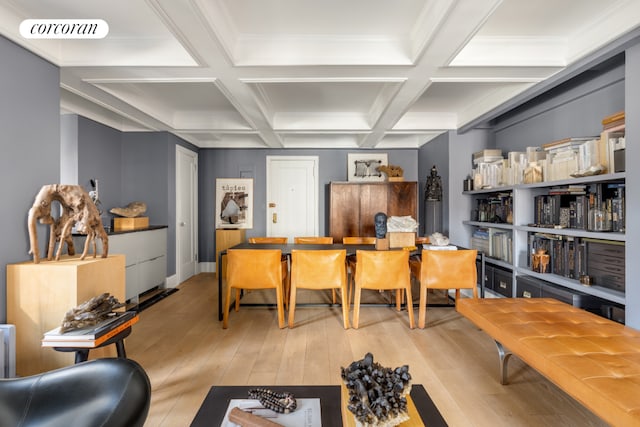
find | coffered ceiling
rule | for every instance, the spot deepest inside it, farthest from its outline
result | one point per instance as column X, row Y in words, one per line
column 312, row 73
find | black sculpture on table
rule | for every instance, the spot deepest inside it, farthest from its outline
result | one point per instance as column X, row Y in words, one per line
column 380, row 222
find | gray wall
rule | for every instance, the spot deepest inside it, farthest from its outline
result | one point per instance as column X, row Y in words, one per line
column 30, row 123
column 99, row 154
column 129, row 166
column 434, row 153
column 227, row 163
column 574, row 109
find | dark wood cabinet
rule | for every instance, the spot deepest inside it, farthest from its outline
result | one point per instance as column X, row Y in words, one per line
column 352, row 206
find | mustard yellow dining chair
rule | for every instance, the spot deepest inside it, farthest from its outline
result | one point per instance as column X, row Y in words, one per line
column 314, row 240
column 319, row 269
column 383, row 270
column 254, row 269
column 285, row 260
column 351, row 259
column 446, row 270
column 267, row 240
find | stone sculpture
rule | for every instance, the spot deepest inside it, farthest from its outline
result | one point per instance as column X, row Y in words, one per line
column 377, row 395
column 391, row 171
column 380, row 223
column 132, row 210
column 76, row 208
column 90, row 312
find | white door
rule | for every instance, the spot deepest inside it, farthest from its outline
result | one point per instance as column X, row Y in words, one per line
column 186, row 213
column 292, row 196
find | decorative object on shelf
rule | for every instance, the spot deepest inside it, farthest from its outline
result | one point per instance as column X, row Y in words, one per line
column 532, row 173
column 234, row 203
column 467, row 184
column 76, row 208
column 132, row 210
column 364, row 166
column 131, row 217
column 433, row 203
column 394, row 173
column 377, row 395
column 90, row 312
column 282, row 403
column 540, row 261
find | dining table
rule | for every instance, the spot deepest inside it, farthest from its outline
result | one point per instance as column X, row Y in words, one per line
column 286, row 249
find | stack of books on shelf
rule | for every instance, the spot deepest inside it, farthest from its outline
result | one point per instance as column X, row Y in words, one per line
column 566, row 158
column 494, row 243
column 567, row 255
column 91, row 336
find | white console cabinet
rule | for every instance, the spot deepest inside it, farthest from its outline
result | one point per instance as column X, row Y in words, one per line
column 145, row 254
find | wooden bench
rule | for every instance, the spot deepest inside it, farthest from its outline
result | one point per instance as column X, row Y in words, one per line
column 593, row 359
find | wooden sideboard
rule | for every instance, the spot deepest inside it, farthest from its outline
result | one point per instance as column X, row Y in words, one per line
column 352, row 206
column 39, row 295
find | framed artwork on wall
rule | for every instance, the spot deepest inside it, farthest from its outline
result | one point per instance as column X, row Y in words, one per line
column 363, row 166
column 234, row 203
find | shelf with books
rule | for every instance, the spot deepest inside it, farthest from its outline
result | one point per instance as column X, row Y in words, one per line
column 551, row 208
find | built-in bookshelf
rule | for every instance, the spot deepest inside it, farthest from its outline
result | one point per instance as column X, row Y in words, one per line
column 565, row 238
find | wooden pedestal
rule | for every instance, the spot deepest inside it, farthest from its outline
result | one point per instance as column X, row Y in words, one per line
column 39, row 295
column 225, row 239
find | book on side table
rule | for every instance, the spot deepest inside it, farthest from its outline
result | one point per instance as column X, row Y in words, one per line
column 91, row 336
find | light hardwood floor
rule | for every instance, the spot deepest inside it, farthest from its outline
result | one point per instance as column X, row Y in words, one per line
column 185, row 351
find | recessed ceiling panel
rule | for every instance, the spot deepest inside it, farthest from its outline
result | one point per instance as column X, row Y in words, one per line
column 542, row 33
column 181, row 105
column 310, row 32
column 136, row 35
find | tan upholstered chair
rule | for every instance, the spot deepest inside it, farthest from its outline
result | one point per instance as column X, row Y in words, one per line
column 319, row 269
column 315, row 240
column 382, row 270
column 254, row 269
column 446, row 270
column 285, row 261
column 351, row 259
column 276, row 240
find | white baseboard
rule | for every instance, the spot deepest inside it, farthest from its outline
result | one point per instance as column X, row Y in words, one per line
column 171, row 281
column 207, row 267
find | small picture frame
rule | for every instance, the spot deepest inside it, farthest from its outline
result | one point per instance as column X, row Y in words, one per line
column 234, row 203
column 363, row 166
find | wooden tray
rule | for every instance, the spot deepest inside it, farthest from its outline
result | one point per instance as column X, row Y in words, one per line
column 349, row 420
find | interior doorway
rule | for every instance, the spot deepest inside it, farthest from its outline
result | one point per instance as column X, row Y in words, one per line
column 292, row 196
column 186, row 213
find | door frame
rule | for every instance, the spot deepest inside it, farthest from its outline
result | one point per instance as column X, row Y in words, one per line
column 316, row 171
column 194, row 211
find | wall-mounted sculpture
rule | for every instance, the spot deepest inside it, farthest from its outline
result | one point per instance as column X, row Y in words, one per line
column 76, row 208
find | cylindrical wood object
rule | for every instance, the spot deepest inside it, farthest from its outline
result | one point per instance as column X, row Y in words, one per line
column 247, row 419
